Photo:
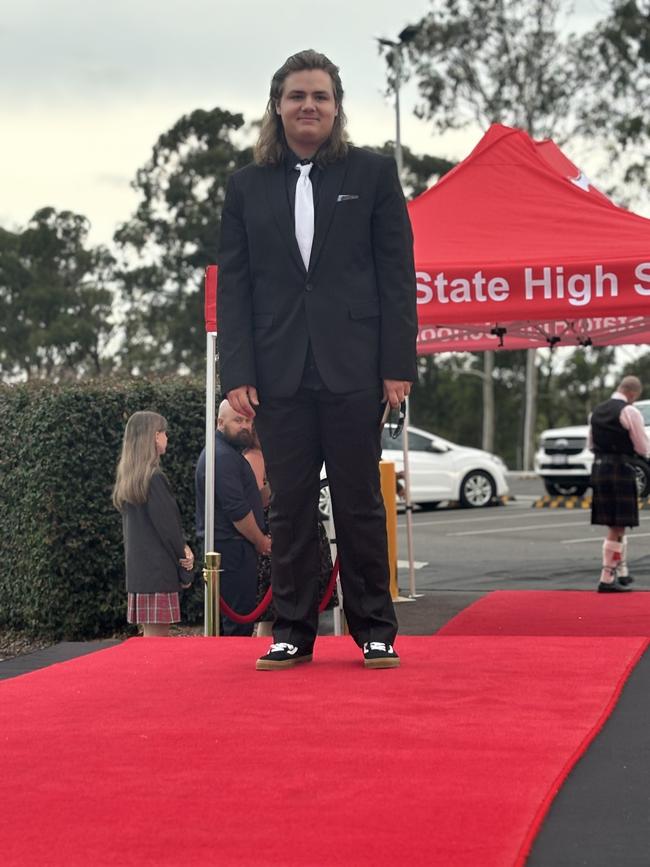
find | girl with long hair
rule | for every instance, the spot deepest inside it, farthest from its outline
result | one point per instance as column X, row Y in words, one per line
column 158, row 560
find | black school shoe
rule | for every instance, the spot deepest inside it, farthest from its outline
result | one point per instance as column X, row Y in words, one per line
column 614, row 587
column 282, row 655
column 625, row 580
column 377, row 654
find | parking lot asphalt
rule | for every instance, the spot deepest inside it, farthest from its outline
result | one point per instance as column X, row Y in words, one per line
column 512, row 546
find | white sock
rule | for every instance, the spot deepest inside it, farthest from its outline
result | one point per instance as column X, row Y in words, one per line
column 623, row 571
column 611, row 560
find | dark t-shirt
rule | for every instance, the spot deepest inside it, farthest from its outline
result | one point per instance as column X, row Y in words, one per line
column 236, row 492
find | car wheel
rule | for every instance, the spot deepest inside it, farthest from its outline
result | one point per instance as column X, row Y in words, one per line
column 570, row 489
column 642, row 480
column 477, row 489
column 324, row 501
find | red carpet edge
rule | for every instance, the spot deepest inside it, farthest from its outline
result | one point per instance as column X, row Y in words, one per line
column 579, row 752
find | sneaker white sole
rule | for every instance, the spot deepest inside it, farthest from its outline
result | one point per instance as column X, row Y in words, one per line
column 382, row 662
column 273, row 665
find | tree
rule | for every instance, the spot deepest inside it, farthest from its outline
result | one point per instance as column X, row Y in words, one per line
column 617, row 104
column 55, row 299
column 488, row 61
column 173, row 236
column 420, row 170
column 570, row 386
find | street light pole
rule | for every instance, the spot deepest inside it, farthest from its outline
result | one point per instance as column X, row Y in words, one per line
column 398, row 136
column 396, row 62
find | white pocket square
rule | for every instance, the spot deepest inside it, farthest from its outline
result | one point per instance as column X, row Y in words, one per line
column 345, row 197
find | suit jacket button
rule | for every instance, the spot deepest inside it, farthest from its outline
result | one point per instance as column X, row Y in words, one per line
column 309, row 287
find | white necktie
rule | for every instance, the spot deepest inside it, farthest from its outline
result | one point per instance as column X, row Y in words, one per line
column 304, row 212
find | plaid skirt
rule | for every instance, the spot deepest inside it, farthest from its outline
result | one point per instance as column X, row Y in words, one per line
column 153, row 608
column 614, row 502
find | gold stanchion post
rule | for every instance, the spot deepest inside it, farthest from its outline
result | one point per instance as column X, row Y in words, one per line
column 211, row 572
column 389, row 491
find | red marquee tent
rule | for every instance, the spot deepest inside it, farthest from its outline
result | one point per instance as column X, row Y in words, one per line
column 515, row 247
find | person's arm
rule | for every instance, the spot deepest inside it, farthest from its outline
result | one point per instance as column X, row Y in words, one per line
column 256, row 460
column 632, row 421
column 165, row 517
column 247, row 526
column 392, row 241
column 231, row 498
column 234, row 297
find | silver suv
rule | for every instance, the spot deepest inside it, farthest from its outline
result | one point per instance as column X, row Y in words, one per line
column 563, row 460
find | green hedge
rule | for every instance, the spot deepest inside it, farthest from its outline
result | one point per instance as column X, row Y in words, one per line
column 61, row 554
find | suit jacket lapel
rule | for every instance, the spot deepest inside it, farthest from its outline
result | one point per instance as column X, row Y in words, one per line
column 277, row 195
column 330, row 187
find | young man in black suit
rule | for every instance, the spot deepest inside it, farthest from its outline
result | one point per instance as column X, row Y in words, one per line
column 317, row 328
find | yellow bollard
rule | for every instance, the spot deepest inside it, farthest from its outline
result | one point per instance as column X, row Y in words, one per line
column 211, row 572
column 389, row 492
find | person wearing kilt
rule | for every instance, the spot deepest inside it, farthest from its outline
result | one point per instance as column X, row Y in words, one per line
column 617, row 435
column 158, row 560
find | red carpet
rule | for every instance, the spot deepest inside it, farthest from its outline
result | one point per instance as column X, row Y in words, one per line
column 554, row 612
column 176, row 752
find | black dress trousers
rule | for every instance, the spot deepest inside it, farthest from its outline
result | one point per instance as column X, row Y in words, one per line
column 297, row 433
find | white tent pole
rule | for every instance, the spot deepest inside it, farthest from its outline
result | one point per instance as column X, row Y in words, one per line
column 210, row 426
column 407, row 500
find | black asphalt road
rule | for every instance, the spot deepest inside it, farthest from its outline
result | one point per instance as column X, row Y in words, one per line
column 512, row 547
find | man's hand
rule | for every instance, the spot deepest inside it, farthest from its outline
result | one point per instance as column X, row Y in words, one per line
column 395, row 390
column 243, row 400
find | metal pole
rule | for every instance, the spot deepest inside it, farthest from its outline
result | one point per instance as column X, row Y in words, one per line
column 529, row 414
column 210, row 426
column 397, row 54
column 212, row 583
column 337, row 612
column 408, row 504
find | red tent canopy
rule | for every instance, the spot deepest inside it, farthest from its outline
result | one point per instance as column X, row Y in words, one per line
column 514, row 245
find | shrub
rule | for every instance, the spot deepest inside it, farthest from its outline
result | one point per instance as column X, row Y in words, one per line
column 61, row 553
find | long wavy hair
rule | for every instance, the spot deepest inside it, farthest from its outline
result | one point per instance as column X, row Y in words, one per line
column 139, row 459
column 271, row 146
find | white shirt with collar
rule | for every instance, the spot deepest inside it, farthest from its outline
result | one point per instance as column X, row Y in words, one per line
column 632, row 420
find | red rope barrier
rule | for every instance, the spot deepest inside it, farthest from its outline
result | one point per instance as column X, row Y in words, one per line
column 264, row 604
column 247, row 618
column 330, row 587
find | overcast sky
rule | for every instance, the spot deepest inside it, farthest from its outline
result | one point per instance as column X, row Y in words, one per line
column 86, row 87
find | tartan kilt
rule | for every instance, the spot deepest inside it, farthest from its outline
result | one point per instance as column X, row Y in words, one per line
column 614, row 502
column 153, row 608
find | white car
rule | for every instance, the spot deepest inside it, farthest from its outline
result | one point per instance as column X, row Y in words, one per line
column 564, row 462
column 440, row 471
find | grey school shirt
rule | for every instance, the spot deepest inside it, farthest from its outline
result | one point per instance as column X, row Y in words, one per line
column 153, row 541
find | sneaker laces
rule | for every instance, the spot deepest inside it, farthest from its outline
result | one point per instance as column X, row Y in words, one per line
column 281, row 646
column 377, row 645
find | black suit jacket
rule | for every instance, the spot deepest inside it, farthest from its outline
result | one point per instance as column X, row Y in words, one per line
column 356, row 304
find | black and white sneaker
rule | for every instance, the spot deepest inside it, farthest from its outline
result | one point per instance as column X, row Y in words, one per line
column 282, row 655
column 377, row 654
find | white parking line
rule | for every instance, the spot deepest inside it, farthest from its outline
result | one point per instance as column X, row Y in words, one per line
column 600, row 539
column 509, row 529
column 462, row 519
